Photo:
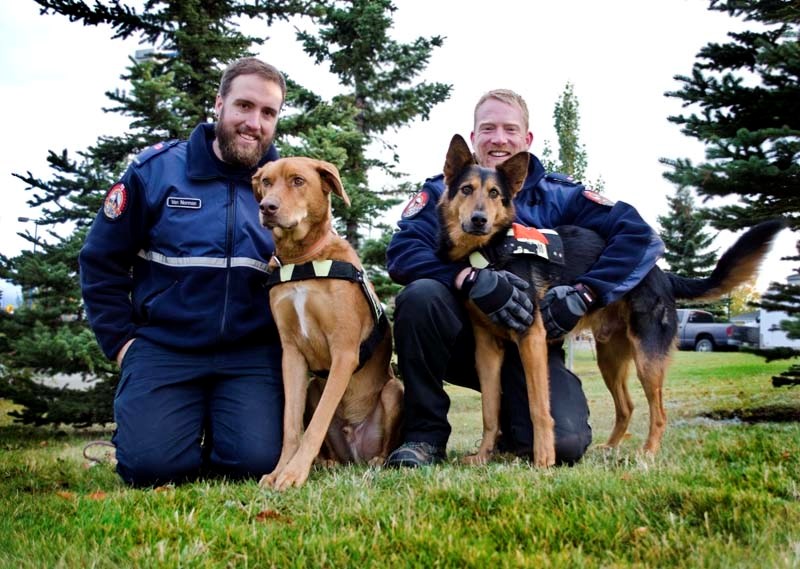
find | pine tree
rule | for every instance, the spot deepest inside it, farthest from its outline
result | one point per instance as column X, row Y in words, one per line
column 685, row 239
column 686, row 244
column 746, row 97
column 381, row 94
column 169, row 95
column 378, row 74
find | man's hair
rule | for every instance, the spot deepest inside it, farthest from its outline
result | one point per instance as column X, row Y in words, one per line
column 251, row 66
column 508, row 97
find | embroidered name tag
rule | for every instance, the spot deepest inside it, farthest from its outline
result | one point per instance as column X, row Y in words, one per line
column 185, row 203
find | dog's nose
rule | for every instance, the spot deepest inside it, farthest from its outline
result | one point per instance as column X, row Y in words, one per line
column 478, row 219
column 268, row 207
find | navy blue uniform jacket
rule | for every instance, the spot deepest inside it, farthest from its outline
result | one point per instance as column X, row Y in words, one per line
column 177, row 255
column 545, row 201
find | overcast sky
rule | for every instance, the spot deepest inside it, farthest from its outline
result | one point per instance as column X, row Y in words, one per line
column 620, row 55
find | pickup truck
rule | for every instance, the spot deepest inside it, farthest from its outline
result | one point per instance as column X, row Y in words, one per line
column 697, row 331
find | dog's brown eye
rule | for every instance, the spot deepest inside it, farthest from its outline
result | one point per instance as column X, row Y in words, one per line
column 266, row 182
column 493, row 193
column 297, row 181
column 466, row 190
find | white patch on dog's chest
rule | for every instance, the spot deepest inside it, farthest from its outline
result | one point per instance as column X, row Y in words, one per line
column 297, row 295
column 299, row 300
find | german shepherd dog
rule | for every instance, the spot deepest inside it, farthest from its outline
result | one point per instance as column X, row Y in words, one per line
column 476, row 211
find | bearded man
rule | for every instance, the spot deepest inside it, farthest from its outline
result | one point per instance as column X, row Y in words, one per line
column 172, row 274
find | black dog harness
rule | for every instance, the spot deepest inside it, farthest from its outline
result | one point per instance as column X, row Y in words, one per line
column 520, row 241
column 329, row 269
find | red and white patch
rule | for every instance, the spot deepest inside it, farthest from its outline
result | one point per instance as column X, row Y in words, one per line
column 415, row 205
column 116, row 201
column 525, row 233
column 597, row 198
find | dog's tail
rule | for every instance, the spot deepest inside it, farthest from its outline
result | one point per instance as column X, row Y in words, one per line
column 736, row 266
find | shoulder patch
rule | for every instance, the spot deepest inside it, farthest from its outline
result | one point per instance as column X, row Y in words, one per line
column 597, row 197
column 153, row 150
column 416, row 204
column 116, row 201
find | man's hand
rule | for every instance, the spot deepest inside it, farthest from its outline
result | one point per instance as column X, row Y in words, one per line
column 123, row 351
column 498, row 294
column 562, row 307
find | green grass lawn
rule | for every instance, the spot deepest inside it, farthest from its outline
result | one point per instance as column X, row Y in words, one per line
column 722, row 493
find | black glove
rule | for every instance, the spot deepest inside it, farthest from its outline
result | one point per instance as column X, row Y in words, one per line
column 562, row 307
column 499, row 295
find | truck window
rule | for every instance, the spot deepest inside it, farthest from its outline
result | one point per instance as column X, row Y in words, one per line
column 701, row 317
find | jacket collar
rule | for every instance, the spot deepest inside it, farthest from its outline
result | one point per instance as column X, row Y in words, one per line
column 202, row 164
column 535, row 173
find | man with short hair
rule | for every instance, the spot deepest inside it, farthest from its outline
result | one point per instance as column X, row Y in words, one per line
column 173, row 273
column 432, row 330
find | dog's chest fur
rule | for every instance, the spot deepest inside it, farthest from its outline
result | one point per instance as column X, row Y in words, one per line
column 297, row 296
column 296, row 306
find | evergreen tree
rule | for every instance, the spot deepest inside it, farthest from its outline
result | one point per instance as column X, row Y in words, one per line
column 572, row 158
column 378, row 75
column 746, row 97
column 169, row 94
column 381, row 95
column 48, row 334
column 685, row 239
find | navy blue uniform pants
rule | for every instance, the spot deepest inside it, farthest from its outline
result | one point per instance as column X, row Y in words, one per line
column 434, row 341
column 180, row 415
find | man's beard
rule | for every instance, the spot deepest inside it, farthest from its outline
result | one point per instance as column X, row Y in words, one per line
column 232, row 153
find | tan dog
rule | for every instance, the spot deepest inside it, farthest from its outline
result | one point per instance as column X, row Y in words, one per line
column 476, row 212
column 329, row 319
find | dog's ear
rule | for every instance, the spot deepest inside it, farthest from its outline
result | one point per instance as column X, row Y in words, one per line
column 458, row 158
column 515, row 170
column 255, row 182
column 331, row 181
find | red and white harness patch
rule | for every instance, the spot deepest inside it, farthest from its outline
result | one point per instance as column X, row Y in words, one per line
column 415, row 205
column 525, row 233
column 597, row 197
column 116, row 201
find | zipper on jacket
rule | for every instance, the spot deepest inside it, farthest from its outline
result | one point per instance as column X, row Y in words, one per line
column 229, row 231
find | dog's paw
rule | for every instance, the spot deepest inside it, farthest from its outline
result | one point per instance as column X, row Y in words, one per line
column 544, row 456
column 544, row 462
column 477, row 459
column 325, row 462
column 289, row 479
column 376, row 461
column 293, row 474
column 267, row 480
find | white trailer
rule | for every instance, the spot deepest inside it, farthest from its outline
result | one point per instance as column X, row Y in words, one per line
column 770, row 334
